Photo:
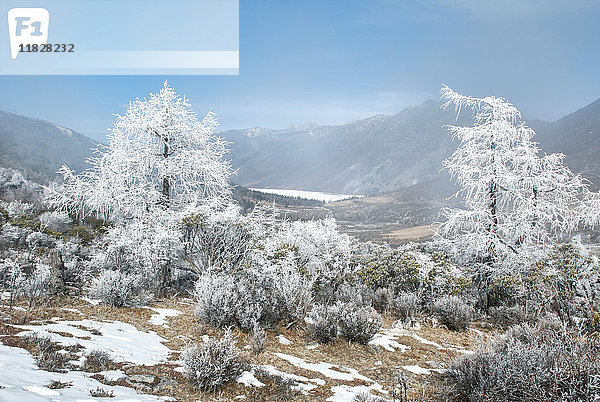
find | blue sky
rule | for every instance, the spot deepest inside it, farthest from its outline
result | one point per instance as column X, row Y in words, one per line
column 335, row 61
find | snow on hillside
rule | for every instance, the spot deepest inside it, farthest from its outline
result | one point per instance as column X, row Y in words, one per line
column 308, row 195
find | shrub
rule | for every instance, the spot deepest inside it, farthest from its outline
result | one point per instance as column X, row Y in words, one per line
column 507, row 316
column 55, row 221
column 251, row 296
column 358, row 324
column 540, row 363
column 453, row 312
column 100, row 392
column 406, row 305
column 45, row 353
column 354, row 323
column 279, row 387
column 117, row 289
column 97, row 360
column 218, row 300
column 321, row 324
column 213, row 364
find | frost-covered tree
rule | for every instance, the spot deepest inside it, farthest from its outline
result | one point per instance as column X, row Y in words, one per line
column 517, row 203
column 161, row 164
column 159, row 157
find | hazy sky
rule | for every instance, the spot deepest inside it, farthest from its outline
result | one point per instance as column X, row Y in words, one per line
column 334, row 61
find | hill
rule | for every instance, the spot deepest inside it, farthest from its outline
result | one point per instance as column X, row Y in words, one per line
column 39, row 148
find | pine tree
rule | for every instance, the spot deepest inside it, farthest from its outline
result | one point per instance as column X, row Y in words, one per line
column 517, row 203
column 159, row 157
column 160, row 164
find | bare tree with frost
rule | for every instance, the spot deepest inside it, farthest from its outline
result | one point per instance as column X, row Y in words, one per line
column 518, row 203
column 160, row 157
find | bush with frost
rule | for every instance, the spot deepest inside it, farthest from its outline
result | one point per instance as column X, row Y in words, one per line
column 546, row 362
column 247, row 297
column 454, row 312
column 117, row 289
column 212, row 364
column 406, row 305
column 55, row 221
column 346, row 320
column 358, row 324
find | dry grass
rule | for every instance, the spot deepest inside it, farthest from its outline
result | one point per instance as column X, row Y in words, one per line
column 184, row 329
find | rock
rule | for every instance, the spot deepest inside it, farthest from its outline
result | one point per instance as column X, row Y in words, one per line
column 165, row 382
column 142, row 378
column 409, row 324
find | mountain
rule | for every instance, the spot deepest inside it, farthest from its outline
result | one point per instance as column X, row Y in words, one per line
column 39, row 148
column 577, row 135
column 370, row 156
column 386, row 153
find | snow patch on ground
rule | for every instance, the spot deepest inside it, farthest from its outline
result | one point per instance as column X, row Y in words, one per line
column 248, row 379
column 123, row 342
column 162, row 314
column 308, row 195
column 22, row 380
column 303, row 384
column 283, row 340
column 72, row 310
column 347, row 393
column 326, row 369
column 113, row 375
column 416, row 369
column 388, row 342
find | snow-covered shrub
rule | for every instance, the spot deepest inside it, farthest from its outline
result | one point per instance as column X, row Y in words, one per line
column 566, row 281
column 218, row 300
column 13, row 186
column 453, row 312
column 16, row 208
column 117, row 289
column 149, row 249
column 221, row 239
column 322, row 324
column 293, row 291
column 55, row 221
column 358, row 324
column 507, row 316
column 13, row 236
column 39, row 239
column 406, row 305
column 347, row 320
column 252, row 296
column 316, row 249
column 529, row 363
column 213, row 364
column 356, row 293
column 35, row 285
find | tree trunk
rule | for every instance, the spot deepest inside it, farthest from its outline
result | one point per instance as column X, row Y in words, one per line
column 57, row 274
